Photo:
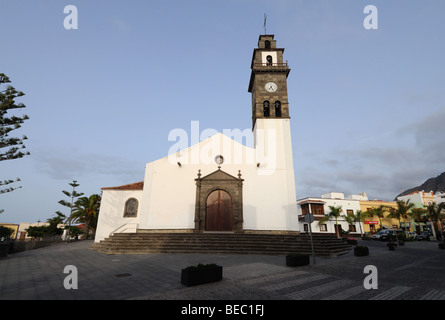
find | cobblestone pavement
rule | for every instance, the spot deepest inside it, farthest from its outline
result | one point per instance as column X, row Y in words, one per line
column 413, row 272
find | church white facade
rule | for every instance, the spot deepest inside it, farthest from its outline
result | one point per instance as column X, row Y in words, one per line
column 219, row 184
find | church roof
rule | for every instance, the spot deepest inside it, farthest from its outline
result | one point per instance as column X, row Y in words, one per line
column 131, row 186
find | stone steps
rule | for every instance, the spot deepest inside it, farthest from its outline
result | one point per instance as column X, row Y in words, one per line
column 146, row 243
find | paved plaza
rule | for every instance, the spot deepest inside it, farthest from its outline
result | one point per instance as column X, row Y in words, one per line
column 412, row 272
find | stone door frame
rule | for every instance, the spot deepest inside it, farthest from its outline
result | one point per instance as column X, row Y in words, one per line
column 219, row 180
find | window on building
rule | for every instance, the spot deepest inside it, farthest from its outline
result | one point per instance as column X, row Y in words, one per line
column 266, row 108
column 269, row 60
column 352, row 228
column 278, row 109
column 131, row 208
column 323, row 227
column 267, row 44
column 338, row 229
column 317, row 208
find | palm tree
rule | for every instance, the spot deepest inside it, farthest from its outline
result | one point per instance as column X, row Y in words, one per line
column 350, row 218
column 335, row 213
column 379, row 212
column 86, row 210
column 401, row 211
column 417, row 214
column 360, row 217
column 58, row 219
column 436, row 213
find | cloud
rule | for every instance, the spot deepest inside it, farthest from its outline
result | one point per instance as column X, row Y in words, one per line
column 429, row 136
column 414, row 154
column 66, row 164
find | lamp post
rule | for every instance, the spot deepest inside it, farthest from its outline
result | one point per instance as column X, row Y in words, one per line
column 309, row 218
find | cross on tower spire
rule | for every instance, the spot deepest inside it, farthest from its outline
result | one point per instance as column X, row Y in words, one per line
column 265, row 23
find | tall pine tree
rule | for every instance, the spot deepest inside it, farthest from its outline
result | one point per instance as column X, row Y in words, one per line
column 73, row 195
column 10, row 147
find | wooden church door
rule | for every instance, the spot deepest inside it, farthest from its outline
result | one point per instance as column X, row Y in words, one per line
column 219, row 211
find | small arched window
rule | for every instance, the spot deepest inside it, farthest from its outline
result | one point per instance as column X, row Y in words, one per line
column 278, row 109
column 267, row 44
column 131, row 208
column 266, row 108
column 269, row 60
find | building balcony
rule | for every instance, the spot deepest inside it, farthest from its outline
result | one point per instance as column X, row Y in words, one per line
column 270, row 67
column 270, row 64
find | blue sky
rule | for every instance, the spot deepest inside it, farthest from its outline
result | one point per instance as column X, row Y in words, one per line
column 367, row 106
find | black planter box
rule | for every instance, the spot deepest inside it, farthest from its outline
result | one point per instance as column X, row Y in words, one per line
column 295, row 260
column 361, row 251
column 193, row 276
column 4, row 249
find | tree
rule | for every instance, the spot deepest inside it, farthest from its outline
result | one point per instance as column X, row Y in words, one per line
column 10, row 147
column 358, row 217
column 352, row 218
column 58, row 219
column 36, row 231
column 417, row 214
column 436, row 213
column 379, row 212
column 401, row 211
column 5, row 232
column 86, row 210
column 74, row 194
column 48, row 231
column 335, row 213
column 74, row 231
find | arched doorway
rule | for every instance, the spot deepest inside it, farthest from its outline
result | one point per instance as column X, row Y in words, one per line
column 219, row 202
column 219, row 211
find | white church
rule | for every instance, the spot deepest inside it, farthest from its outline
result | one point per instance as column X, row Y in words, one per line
column 219, row 185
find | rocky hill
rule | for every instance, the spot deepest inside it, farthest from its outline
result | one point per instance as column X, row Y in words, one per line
column 432, row 184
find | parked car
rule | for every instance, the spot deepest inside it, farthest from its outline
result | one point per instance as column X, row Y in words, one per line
column 413, row 235
column 425, row 235
column 378, row 235
column 385, row 233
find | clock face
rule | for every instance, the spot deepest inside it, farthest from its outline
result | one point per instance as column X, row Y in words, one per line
column 271, row 87
column 219, row 159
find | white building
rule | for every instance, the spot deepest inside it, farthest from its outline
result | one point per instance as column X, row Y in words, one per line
column 439, row 197
column 319, row 207
column 219, row 184
column 420, row 198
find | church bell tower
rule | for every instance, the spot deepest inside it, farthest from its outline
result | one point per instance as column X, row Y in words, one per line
column 268, row 81
column 270, row 108
column 272, row 133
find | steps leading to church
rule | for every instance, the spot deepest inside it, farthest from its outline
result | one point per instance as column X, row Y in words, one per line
column 146, row 243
